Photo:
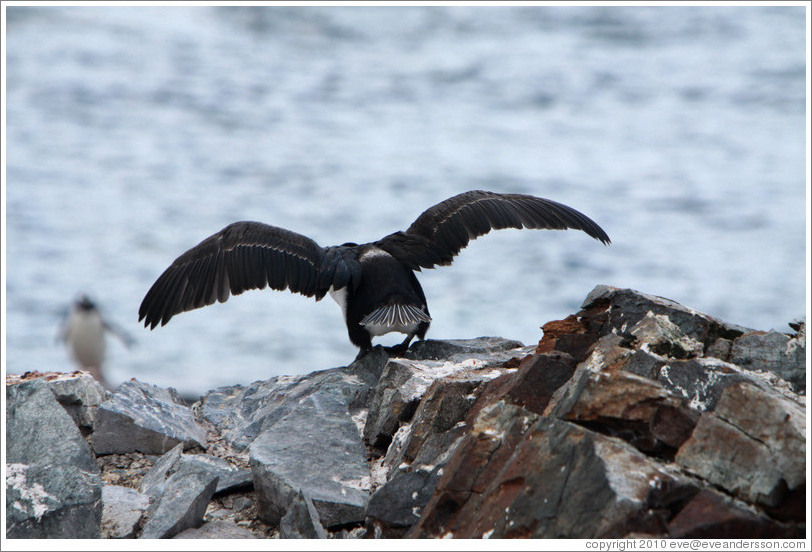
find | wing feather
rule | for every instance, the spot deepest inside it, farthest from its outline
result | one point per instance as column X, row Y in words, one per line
column 241, row 257
column 441, row 231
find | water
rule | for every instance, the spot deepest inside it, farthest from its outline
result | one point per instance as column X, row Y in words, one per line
column 134, row 133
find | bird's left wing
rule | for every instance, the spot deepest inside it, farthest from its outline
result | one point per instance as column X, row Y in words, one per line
column 244, row 256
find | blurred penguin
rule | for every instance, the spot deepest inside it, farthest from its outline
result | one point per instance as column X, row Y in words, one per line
column 83, row 331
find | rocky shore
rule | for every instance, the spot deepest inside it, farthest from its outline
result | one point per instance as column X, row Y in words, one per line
column 635, row 416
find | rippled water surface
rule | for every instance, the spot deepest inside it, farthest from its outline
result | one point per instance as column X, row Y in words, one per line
column 134, row 133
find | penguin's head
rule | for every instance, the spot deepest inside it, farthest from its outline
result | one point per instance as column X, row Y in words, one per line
column 84, row 303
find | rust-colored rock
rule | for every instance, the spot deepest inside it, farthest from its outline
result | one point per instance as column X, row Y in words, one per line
column 636, row 409
column 521, row 475
column 571, row 335
column 709, row 515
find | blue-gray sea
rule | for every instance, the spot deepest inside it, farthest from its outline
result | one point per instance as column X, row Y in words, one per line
column 135, row 132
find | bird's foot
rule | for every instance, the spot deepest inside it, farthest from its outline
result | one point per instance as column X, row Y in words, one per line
column 396, row 350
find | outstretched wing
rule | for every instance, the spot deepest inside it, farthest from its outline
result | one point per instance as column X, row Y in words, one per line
column 444, row 229
column 243, row 256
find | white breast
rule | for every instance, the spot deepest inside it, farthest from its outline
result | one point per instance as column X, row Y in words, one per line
column 340, row 297
column 85, row 338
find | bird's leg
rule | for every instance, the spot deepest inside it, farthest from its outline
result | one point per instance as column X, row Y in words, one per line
column 361, row 353
column 398, row 350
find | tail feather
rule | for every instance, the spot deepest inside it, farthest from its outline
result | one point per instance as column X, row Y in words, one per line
column 391, row 315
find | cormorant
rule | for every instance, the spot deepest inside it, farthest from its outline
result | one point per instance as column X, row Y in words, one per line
column 374, row 283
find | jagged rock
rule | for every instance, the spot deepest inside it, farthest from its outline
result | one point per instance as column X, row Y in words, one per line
column 316, row 449
column 53, row 483
column 521, row 475
column 216, row 530
column 395, row 399
column 700, row 381
column 182, row 504
column 438, row 421
column 404, row 382
column 243, row 413
column 662, row 337
column 618, row 310
column 622, row 404
column 431, row 349
column 753, row 445
column 229, row 477
column 415, row 462
column 534, row 384
column 144, row 418
column 304, row 435
column 663, row 341
column 720, row 349
column 425, row 405
column 154, row 481
column 39, row 430
column 122, row 511
column 574, row 335
column 301, row 520
column 773, row 352
column 635, row 417
column 79, row 394
column 396, row 506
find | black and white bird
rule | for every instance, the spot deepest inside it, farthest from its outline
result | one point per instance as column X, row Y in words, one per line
column 83, row 331
column 374, row 283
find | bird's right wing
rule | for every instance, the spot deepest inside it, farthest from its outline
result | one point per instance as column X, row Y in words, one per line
column 244, row 256
column 441, row 231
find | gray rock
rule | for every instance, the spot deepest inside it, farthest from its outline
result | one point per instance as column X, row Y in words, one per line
column 438, row 422
column 144, row 418
column 243, row 413
column 627, row 307
column 216, row 530
column 301, row 520
column 396, row 505
column 154, row 481
column 418, row 456
column 122, row 511
column 700, row 381
column 753, row 445
column 182, row 504
column 39, row 430
column 404, row 382
column 52, row 481
column 229, row 477
column 720, row 349
column 316, row 449
column 431, row 349
column 304, row 435
column 773, row 352
column 80, row 394
column 396, row 397
column 659, row 335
